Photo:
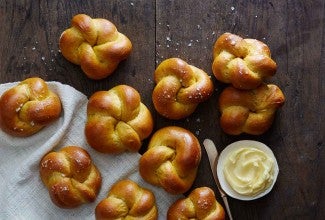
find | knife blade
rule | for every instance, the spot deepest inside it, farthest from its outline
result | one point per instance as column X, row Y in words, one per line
column 213, row 160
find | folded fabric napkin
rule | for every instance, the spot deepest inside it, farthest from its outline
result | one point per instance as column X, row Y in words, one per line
column 24, row 196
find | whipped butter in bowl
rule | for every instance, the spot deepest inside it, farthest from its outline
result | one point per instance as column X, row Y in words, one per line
column 247, row 170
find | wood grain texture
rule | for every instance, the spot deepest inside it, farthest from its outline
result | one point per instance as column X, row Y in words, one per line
column 294, row 31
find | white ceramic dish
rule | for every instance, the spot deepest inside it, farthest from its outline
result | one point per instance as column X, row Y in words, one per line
column 235, row 146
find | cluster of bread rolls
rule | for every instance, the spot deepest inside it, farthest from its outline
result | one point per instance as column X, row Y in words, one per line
column 248, row 105
column 117, row 120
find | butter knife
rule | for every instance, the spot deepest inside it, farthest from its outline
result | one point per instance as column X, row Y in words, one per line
column 213, row 159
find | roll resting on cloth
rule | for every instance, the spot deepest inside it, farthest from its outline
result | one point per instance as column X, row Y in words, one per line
column 24, row 196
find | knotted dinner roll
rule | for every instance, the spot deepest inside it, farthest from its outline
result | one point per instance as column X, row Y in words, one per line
column 95, row 45
column 179, row 89
column 127, row 200
column 28, row 107
column 117, row 120
column 171, row 160
column 200, row 204
column 249, row 111
column 70, row 176
column 244, row 63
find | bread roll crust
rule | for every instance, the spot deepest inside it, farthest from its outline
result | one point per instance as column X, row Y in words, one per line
column 95, row 45
column 70, row 176
column 28, row 107
column 200, row 204
column 117, row 120
column 126, row 199
column 171, row 160
column 179, row 89
column 244, row 63
column 249, row 111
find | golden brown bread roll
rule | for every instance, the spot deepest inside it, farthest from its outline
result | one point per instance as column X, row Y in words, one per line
column 179, row 89
column 95, row 45
column 127, row 200
column 171, row 160
column 28, row 107
column 70, row 176
column 249, row 111
column 117, row 120
column 244, row 63
column 200, row 204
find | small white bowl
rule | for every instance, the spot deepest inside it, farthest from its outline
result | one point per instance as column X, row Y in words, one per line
column 233, row 147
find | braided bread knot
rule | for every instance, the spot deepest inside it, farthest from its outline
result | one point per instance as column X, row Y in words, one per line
column 249, row 111
column 95, row 45
column 127, row 200
column 244, row 63
column 200, row 204
column 117, row 120
column 172, row 159
column 28, row 107
column 179, row 89
column 70, row 176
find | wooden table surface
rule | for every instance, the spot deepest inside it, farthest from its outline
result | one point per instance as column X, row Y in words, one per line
column 160, row 29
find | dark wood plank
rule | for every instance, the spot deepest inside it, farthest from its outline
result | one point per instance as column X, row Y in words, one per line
column 294, row 31
column 31, row 31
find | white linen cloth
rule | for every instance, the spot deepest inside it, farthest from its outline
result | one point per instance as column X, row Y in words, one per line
column 24, row 196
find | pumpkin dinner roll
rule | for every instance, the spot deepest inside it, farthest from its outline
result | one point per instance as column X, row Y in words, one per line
column 95, row 45
column 70, row 176
column 171, row 160
column 201, row 204
column 179, row 89
column 127, row 200
column 249, row 111
column 244, row 63
column 28, row 107
column 117, row 120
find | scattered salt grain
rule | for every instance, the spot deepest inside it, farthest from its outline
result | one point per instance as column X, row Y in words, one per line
column 19, row 107
column 232, row 8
